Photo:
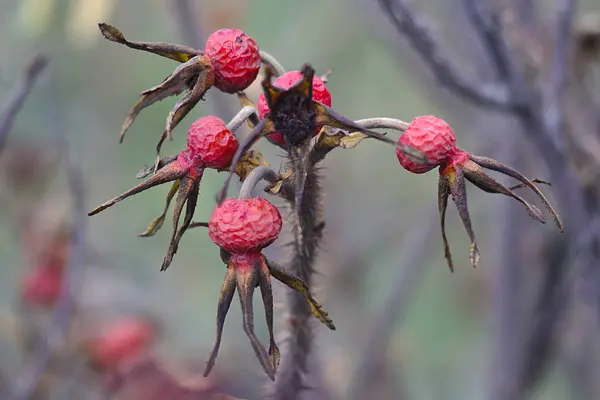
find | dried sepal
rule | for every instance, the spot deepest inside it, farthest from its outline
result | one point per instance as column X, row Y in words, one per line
column 173, row 51
column 443, row 194
column 168, row 174
column 225, row 298
column 158, row 222
column 246, row 280
column 276, row 187
column 264, row 281
column 327, row 140
column 150, row 169
column 535, row 180
column 245, row 101
column 458, row 190
column 249, row 161
column 290, row 279
column 477, row 176
column 173, row 85
column 188, row 195
column 352, row 140
column 204, row 81
column 497, row 166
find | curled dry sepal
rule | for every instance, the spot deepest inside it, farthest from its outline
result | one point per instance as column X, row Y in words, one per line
column 210, row 144
column 242, row 228
column 230, row 62
column 436, row 139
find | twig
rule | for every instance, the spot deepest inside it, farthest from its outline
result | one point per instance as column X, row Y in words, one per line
column 187, row 20
column 241, row 117
column 19, row 95
column 53, row 337
column 487, row 25
column 383, row 122
column 413, row 255
column 259, row 173
column 275, row 65
column 409, row 24
column 554, row 113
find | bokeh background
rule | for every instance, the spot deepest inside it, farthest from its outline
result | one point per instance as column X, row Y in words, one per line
column 381, row 262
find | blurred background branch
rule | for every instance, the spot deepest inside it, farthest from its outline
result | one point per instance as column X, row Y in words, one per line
column 53, row 338
column 19, row 95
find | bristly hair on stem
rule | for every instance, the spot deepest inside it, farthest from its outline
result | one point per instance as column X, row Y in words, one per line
column 307, row 229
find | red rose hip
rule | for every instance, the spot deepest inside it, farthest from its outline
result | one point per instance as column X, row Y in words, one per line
column 244, row 225
column 122, row 342
column 320, row 93
column 235, row 59
column 210, row 144
column 42, row 285
column 431, row 135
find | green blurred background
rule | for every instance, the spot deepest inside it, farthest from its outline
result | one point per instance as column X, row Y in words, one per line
column 441, row 349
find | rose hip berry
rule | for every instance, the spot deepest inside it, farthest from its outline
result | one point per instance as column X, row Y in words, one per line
column 436, row 139
column 235, row 59
column 242, row 226
column 210, row 144
column 42, row 285
column 122, row 342
column 431, row 135
column 320, row 93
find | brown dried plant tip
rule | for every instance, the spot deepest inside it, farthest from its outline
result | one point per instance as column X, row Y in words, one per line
column 186, row 185
column 194, row 75
column 295, row 114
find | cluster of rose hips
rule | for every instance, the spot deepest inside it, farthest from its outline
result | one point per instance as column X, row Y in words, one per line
column 293, row 113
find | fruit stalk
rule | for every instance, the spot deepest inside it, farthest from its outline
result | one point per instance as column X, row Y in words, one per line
column 257, row 174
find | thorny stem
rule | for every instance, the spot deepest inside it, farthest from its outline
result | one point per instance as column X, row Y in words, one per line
column 275, row 65
column 259, row 173
column 307, row 227
column 241, row 117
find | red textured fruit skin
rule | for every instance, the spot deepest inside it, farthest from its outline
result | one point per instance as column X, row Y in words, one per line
column 247, row 261
column 285, row 81
column 243, row 226
column 209, row 144
column 42, row 285
column 235, row 59
column 431, row 135
column 122, row 342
